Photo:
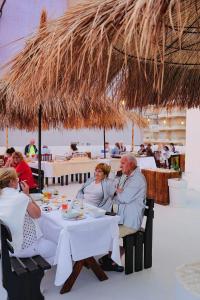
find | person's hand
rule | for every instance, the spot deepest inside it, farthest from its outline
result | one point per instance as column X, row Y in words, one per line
column 24, row 187
column 119, row 190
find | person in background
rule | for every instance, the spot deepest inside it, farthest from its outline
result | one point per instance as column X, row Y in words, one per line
column 73, row 149
column 165, row 155
column 107, row 150
column 20, row 213
column 116, row 150
column 142, row 150
column 130, row 196
column 148, row 150
column 30, row 149
column 24, row 171
column 8, row 161
column 172, row 148
column 122, row 147
column 98, row 191
column 45, row 150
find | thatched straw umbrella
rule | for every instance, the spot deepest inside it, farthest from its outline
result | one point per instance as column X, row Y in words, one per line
column 142, row 51
column 21, row 112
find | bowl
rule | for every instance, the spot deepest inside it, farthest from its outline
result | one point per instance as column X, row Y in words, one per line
column 70, row 214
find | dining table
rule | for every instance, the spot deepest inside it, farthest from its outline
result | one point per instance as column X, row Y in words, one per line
column 78, row 241
column 61, row 168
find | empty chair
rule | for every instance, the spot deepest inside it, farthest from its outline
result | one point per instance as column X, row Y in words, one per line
column 46, row 157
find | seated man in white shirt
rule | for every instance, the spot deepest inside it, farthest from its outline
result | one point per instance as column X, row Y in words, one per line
column 130, row 196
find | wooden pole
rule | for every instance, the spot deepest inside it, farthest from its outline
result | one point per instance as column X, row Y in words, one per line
column 104, row 142
column 39, row 147
column 132, row 137
column 6, row 137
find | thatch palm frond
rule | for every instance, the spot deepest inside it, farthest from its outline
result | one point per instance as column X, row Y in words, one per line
column 144, row 51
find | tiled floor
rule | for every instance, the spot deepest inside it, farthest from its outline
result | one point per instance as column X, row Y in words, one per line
column 176, row 241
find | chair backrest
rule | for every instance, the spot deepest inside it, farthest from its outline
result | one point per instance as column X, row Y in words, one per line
column 60, row 157
column 89, row 154
column 6, row 247
column 149, row 213
column 79, row 154
column 46, row 157
column 119, row 173
column 35, row 173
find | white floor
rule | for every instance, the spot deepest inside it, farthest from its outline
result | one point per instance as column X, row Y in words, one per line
column 176, row 241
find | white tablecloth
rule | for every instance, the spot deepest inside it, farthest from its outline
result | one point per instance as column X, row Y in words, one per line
column 146, row 162
column 80, row 239
column 61, row 168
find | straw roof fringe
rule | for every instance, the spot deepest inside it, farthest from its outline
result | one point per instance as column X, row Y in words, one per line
column 55, row 114
column 22, row 115
column 142, row 51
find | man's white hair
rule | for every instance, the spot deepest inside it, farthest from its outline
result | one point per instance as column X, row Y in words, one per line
column 131, row 158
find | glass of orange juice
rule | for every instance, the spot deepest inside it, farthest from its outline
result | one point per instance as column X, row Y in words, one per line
column 64, row 207
column 49, row 195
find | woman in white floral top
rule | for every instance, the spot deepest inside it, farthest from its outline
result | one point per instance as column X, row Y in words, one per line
column 20, row 213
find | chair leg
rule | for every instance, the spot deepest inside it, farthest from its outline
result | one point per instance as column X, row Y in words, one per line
column 128, row 247
column 148, row 253
column 85, row 177
column 139, row 252
column 66, row 180
column 72, row 177
column 62, row 180
column 80, row 178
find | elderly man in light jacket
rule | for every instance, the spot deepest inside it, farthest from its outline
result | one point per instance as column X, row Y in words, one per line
column 130, row 193
column 130, row 196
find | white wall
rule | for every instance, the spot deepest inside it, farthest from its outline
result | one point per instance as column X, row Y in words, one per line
column 19, row 19
column 192, row 148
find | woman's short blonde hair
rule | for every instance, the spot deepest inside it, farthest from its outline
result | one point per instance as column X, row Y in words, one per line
column 18, row 154
column 6, row 175
column 104, row 168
